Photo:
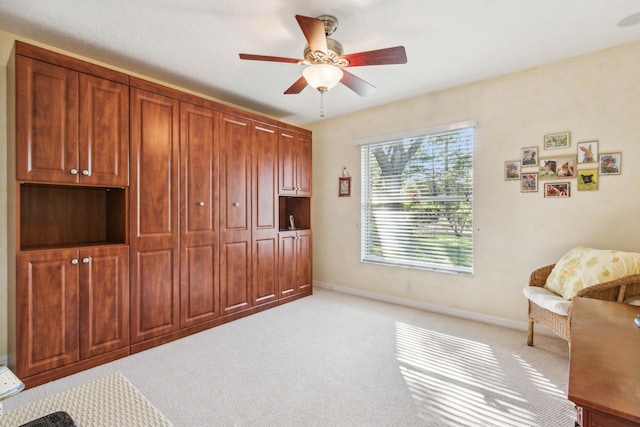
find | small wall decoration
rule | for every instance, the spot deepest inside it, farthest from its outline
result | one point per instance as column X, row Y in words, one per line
column 588, row 152
column 610, row 163
column 529, row 157
column 554, row 141
column 587, row 179
column 557, row 189
column 557, row 167
column 528, row 182
column 511, row 170
column 344, row 186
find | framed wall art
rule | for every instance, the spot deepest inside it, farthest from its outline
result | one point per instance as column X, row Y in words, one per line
column 610, row 163
column 587, row 179
column 554, row 141
column 344, row 186
column 557, row 189
column 528, row 182
column 529, row 157
column 557, row 167
column 588, row 152
column 512, row 170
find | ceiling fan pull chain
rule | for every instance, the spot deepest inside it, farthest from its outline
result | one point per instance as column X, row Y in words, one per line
column 322, row 103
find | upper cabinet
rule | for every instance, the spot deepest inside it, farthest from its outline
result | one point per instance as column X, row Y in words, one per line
column 71, row 127
column 294, row 153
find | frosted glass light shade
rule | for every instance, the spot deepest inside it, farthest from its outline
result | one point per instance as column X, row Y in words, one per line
column 322, row 77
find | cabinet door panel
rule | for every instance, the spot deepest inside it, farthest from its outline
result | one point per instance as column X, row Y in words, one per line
column 154, row 215
column 104, row 132
column 304, row 261
column 104, row 300
column 287, row 166
column 46, row 122
column 235, row 267
column 287, row 267
column 47, row 311
column 265, row 178
column 303, row 165
column 265, row 269
column 199, row 288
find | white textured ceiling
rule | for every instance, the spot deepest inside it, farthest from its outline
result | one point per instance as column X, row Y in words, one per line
column 195, row 43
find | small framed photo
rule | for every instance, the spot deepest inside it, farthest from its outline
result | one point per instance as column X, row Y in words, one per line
column 557, row 167
column 554, row 141
column 557, row 189
column 610, row 163
column 529, row 182
column 588, row 152
column 587, row 179
column 511, row 170
column 529, row 157
column 344, row 186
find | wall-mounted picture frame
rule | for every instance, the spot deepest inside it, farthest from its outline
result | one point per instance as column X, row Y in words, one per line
column 529, row 157
column 588, row 179
column 557, row 189
column 588, row 152
column 528, row 182
column 610, row 163
column 554, row 141
column 557, row 167
column 344, row 186
column 511, row 170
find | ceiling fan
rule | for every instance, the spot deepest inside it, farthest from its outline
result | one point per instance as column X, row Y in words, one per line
column 325, row 60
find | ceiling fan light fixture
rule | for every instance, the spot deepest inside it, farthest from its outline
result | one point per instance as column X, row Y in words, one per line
column 322, row 77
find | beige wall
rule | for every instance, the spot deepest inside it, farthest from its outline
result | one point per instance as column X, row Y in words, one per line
column 595, row 97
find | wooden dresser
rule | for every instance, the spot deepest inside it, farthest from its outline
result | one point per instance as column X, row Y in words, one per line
column 604, row 374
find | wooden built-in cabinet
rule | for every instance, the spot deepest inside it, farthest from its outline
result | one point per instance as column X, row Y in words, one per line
column 74, row 127
column 140, row 214
column 78, row 306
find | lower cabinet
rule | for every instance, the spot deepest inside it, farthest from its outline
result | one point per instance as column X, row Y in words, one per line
column 71, row 304
column 295, row 262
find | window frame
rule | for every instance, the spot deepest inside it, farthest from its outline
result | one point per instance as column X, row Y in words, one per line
column 365, row 232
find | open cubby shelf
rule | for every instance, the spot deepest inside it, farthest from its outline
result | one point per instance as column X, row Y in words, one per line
column 299, row 207
column 56, row 216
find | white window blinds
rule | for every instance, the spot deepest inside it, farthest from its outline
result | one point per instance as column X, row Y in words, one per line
column 417, row 201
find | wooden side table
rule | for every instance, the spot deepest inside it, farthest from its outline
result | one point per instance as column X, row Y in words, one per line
column 604, row 366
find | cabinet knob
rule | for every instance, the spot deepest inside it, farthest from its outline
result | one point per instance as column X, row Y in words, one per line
column 73, row 171
column 86, row 260
column 201, row 204
column 74, row 261
column 236, row 204
column 85, row 172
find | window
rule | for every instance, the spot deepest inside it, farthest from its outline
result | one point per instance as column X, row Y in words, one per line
column 417, row 199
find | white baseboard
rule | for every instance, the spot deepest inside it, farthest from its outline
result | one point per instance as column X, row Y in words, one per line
column 4, row 360
column 434, row 308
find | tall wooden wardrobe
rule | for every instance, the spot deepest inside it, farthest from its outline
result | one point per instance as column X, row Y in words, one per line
column 140, row 214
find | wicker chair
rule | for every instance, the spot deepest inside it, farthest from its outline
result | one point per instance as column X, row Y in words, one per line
column 623, row 290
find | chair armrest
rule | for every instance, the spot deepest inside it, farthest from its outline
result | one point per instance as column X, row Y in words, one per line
column 618, row 290
column 539, row 276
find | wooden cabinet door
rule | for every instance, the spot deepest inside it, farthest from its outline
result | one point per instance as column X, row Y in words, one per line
column 104, row 299
column 154, row 215
column 103, row 132
column 303, row 165
column 286, row 264
column 265, row 214
column 46, row 122
column 47, row 310
column 234, row 135
column 199, row 285
column 286, row 163
column 304, row 260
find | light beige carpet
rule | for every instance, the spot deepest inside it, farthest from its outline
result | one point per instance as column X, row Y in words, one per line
column 108, row 401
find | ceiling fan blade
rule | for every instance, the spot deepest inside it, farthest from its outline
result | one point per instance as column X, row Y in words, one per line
column 297, row 87
column 268, row 58
column 391, row 55
column 313, row 30
column 356, row 84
